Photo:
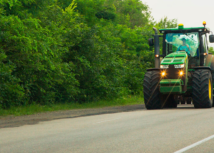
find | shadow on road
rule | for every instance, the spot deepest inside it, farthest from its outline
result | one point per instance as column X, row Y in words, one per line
column 185, row 106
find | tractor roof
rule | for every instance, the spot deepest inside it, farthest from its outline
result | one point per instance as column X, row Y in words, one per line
column 182, row 30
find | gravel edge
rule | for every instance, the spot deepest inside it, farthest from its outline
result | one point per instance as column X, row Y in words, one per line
column 17, row 121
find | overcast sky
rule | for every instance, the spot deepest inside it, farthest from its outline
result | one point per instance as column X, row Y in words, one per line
column 191, row 13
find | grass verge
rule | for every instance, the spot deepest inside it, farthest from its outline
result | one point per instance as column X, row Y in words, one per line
column 35, row 108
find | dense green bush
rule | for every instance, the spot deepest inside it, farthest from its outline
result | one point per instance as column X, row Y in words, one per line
column 73, row 51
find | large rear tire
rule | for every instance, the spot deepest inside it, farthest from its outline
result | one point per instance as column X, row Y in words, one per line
column 213, row 102
column 202, row 90
column 152, row 95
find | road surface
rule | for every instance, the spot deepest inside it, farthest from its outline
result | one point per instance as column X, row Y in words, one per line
column 184, row 129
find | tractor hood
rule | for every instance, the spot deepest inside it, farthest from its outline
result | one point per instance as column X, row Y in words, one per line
column 175, row 58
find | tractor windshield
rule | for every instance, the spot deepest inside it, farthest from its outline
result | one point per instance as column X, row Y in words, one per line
column 188, row 42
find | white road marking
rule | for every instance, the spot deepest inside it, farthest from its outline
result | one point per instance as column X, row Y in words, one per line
column 107, row 120
column 195, row 144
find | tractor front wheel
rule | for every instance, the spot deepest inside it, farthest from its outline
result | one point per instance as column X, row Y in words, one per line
column 152, row 95
column 202, row 90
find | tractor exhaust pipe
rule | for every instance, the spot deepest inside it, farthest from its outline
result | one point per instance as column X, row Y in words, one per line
column 157, row 48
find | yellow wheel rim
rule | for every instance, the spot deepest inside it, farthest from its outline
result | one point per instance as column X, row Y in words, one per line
column 210, row 91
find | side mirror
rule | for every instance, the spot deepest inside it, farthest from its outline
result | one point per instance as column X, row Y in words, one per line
column 151, row 42
column 211, row 37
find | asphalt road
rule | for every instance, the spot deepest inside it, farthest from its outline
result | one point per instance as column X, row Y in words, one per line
column 184, row 129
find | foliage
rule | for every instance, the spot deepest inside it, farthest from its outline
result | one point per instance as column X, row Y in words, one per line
column 166, row 23
column 59, row 51
column 36, row 108
column 211, row 50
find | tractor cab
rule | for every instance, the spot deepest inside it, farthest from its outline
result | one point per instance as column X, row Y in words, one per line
column 191, row 40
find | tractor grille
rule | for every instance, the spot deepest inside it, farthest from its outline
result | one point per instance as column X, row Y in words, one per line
column 173, row 73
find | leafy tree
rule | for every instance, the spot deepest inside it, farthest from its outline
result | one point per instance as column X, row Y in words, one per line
column 132, row 13
column 73, row 51
column 166, row 23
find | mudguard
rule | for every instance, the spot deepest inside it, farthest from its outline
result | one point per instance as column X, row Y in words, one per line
column 209, row 63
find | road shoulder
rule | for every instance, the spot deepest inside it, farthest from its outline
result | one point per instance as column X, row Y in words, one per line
column 17, row 121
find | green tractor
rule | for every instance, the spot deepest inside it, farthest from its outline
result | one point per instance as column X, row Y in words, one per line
column 184, row 73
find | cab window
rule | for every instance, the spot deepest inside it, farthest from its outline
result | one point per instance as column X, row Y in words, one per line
column 188, row 42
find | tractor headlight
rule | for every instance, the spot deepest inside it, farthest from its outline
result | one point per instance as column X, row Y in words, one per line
column 164, row 66
column 181, row 73
column 179, row 66
column 163, row 74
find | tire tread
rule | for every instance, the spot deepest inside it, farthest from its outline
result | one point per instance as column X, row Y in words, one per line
column 151, row 91
column 200, row 93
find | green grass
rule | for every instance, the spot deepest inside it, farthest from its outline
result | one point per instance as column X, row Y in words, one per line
column 35, row 108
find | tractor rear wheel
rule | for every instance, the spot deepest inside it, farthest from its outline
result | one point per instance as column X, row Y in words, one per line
column 202, row 90
column 152, row 95
column 213, row 102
